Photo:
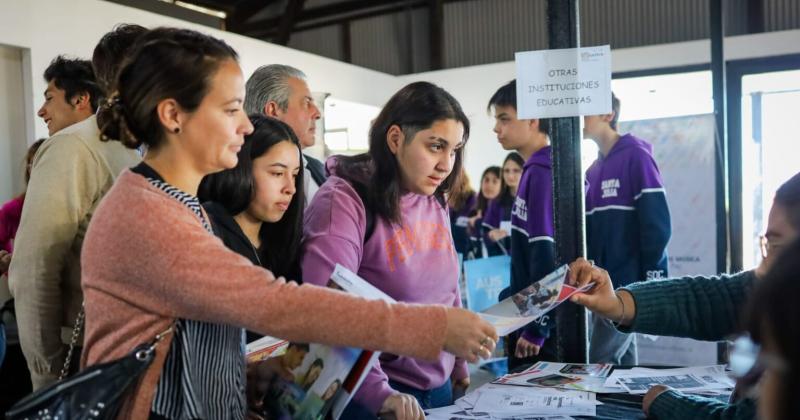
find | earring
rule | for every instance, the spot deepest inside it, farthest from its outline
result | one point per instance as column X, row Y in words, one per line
column 176, row 130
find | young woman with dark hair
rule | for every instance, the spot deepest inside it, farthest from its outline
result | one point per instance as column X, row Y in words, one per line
column 461, row 204
column 256, row 208
column 15, row 380
column 11, row 212
column 151, row 264
column 495, row 235
column 383, row 214
column 491, row 185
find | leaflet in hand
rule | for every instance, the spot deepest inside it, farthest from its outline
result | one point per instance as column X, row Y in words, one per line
column 308, row 381
column 531, row 302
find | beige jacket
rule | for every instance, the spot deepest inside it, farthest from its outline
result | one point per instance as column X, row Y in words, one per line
column 71, row 172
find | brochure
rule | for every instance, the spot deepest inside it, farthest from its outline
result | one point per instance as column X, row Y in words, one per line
column 307, row 381
column 694, row 379
column 580, row 377
column 531, row 302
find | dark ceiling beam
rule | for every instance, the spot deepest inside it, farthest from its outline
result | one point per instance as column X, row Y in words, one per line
column 755, row 16
column 293, row 10
column 214, row 5
column 347, row 43
column 320, row 12
column 243, row 11
column 267, row 32
column 436, row 28
column 177, row 12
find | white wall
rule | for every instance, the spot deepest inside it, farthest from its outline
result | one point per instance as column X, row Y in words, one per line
column 47, row 28
column 51, row 27
column 473, row 86
column 12, row 123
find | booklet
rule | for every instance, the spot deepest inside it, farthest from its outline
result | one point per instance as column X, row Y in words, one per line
column 531, row 302
column 308, row 381
column 689, row 379
column 581, row 377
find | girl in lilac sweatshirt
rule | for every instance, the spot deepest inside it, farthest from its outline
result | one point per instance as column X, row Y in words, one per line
column 383, row 215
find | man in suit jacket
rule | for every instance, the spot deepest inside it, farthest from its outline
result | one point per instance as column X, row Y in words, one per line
column 281, row 91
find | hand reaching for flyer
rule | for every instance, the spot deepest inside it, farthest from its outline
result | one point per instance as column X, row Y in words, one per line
column 601, row 299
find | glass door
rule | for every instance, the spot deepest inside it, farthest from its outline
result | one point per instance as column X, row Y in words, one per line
column 769, row 128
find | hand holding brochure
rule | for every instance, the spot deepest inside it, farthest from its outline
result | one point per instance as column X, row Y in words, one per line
column 531, row 302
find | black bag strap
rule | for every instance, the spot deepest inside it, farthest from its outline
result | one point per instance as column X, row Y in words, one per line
column 317, row 170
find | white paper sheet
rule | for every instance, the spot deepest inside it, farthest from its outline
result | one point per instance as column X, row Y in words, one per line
column 504, row 400
column 563, row 375
column 690, row 379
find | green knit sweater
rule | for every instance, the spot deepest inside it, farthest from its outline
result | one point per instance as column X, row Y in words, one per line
column 703, row 308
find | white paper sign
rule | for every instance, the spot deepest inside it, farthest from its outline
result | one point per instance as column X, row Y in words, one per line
column 564, row 83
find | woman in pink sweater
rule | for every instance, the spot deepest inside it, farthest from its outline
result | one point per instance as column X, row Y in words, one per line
column 149, row 258
column 384, row 215
column 11, row 212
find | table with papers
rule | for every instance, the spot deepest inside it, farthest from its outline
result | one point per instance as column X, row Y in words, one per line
column 561, row 391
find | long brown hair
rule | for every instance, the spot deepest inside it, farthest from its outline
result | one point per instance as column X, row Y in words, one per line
column 483, row 202
column 506, row 197
column 414, row 108
column 462, row 192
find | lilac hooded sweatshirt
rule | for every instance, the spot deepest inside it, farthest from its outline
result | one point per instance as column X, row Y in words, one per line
column 413, row 262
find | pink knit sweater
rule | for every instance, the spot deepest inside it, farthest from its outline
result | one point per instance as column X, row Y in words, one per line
column 147, row 260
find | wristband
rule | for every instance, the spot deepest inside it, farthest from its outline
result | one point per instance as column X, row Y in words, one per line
column 617, row 324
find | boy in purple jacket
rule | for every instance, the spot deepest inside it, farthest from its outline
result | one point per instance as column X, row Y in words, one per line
column 532, row 231
column 627, row 222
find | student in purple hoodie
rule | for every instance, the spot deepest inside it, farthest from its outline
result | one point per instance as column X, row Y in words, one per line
column 627, row 222
column 462, row 203
column 498, row 212
column 383, row 215
column 532, row 231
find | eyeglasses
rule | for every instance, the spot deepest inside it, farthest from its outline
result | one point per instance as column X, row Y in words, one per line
column 766, row 247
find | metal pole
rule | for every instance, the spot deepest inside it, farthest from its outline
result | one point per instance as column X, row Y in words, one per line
column 563, row 28
column 717, row 27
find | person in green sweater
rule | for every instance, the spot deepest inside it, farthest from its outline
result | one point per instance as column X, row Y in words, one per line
column 698, row 307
